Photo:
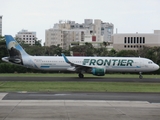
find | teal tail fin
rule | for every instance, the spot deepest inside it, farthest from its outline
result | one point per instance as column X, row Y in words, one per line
column 16, row 52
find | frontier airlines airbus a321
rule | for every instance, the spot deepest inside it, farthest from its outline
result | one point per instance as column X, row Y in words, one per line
column 95, row 65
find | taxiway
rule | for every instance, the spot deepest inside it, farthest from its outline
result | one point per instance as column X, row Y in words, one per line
column 44, row 106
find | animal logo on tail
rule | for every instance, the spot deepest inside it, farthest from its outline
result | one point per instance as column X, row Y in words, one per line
column 15, row 54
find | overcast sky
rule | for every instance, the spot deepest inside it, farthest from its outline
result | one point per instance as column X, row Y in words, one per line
column 128, row 16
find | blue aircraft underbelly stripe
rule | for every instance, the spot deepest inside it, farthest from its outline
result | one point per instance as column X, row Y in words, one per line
column 45, row 66
column 54, row 66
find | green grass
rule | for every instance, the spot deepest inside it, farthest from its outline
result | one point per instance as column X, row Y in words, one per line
column 16, row 86
column 76, row 75
column 78, row 87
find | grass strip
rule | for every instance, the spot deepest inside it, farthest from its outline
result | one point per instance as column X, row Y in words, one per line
column 75, row 75
column 78, row 87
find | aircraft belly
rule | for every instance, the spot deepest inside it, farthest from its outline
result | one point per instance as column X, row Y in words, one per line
column 123, row 69
column 53, row 67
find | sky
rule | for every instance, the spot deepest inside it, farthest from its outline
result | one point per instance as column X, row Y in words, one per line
column 128, row 16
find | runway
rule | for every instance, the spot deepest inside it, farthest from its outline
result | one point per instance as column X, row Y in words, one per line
column 74, row 79
column 57, row 106
column 149, row 97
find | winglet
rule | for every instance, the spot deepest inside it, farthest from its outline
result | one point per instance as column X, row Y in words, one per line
column 65, row 58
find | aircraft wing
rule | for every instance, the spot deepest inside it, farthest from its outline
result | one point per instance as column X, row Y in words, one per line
column 75, row 66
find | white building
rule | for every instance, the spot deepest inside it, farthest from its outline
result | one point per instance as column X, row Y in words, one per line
column 63, row 37
column 72, row 33
column 53, row 37
column 135, row 41
column 0, row 25
column 27, row 36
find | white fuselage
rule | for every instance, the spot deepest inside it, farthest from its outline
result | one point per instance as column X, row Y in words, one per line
column 115, row 64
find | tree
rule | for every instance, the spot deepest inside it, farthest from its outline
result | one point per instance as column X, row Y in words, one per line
column 150, row 53
column 127, row 53
column 112, row 53
column 38, row 42
column 101, row 51
column 87, row 49
column 105, row 43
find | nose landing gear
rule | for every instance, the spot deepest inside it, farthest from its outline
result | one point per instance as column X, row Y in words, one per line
column 140, row 75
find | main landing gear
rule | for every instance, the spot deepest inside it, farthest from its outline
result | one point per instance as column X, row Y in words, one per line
column 140, row 75
column 81, row 75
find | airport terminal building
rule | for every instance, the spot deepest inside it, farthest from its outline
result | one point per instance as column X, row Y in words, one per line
column 135, row 41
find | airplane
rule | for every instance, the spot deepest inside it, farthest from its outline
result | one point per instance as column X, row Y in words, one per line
column 97, row 66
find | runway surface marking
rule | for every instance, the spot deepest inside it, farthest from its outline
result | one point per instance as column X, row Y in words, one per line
column 2, row 95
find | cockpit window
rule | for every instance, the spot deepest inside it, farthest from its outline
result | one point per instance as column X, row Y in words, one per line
column 150, row 62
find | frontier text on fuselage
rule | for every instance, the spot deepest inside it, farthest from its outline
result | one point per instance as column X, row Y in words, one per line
column 109, row 62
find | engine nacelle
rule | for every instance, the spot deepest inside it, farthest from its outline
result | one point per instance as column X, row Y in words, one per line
column 98, row 71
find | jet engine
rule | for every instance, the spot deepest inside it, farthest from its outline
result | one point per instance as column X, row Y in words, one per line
column 98, row 71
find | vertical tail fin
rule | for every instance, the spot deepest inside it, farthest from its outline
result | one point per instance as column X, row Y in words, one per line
column 13, row 44
column 16, row 52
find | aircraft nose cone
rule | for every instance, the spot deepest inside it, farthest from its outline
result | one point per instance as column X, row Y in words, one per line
column 156, row 67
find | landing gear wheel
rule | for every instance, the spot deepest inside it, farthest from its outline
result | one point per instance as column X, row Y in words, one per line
column 140, row 75
column 81, row 75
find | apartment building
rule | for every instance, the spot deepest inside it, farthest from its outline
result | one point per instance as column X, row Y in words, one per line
column 72, row 33
column 0, row 25
column 27, row 36
column 63, row 37
column 135, row 41
column 53, row 37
